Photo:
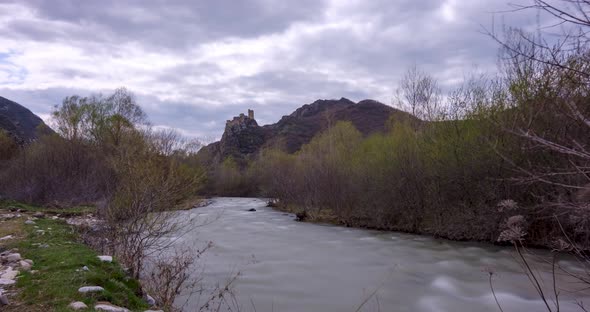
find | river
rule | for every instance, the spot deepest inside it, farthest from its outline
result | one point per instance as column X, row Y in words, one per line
column 291, row 266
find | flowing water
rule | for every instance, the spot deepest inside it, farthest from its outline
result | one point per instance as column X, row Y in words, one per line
column 292, row 266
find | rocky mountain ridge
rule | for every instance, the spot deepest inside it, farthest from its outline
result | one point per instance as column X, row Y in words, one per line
column 243, row 137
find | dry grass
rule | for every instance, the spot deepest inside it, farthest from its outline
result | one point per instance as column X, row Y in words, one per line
column 190, row 203
column 14, row 227
column 312, row 215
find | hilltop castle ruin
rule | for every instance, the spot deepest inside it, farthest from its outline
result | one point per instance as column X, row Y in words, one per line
column 241, row 118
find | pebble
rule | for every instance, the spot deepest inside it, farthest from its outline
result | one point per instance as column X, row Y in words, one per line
column 25, row 266
column 7, row 216
column 78, row 305
column 105, row 258
column 9, row 274
column 3, row 298
column 4, row 281
column 87, row 289
column 6, row 237
column 85, row 268
column 29, row 222
column 150, row 300
column 109, row 308
column 13, row 257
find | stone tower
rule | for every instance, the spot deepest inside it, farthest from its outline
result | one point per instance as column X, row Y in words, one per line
column 251, row 113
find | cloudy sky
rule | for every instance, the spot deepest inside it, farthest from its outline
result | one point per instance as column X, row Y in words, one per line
column 195, row 63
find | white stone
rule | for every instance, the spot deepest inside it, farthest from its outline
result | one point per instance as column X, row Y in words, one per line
column 29, row 261
column 105, row 258
column 9, row 274
column 4, row 281
column 29, row 222
column 13, row 257
column 109, row 308
column 85, row 268
column 87, row 289
column 6, row 237
column 3, row 298
column 150, row 300
column 78, row 305
column 25, row 266
column 153, row 311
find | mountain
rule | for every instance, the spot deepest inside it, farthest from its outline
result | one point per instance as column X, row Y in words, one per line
column 243, row 137
column 20, row 123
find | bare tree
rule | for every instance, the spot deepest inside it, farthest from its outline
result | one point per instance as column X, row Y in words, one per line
column 420, row 94
column 571, row 22
column 139, row 211
column 548, row 82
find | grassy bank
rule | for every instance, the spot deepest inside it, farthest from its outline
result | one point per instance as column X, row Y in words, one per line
column 25, row 208
column 59, row 256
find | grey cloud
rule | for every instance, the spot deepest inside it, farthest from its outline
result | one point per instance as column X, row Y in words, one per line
column 328, row 62
column 170, row 24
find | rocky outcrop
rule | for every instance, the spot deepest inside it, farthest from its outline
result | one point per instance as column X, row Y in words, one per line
column 242, row 136
column 20, row 123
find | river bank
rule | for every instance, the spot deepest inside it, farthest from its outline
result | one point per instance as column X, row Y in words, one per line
column 60, row 265
column 327, row 216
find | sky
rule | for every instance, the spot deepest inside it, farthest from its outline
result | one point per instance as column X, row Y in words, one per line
column 193, row 64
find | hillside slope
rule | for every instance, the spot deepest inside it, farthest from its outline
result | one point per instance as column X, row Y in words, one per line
column 20, row 123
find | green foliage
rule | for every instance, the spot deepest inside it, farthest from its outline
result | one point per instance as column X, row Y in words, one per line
column 103, row 121
column 230, row 180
